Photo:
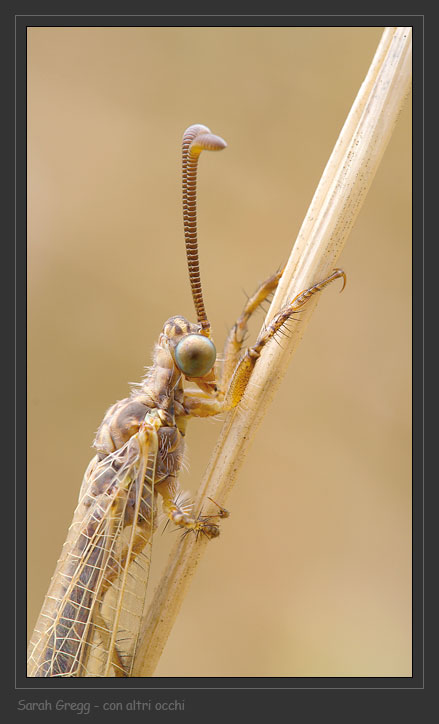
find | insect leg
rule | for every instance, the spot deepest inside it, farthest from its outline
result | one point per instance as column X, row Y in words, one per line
column 246, row 365
column 233, row 345
column 180, row 513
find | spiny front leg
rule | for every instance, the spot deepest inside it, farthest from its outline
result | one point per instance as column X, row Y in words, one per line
column 246, row 365
column 178, row 511
column 235, row 339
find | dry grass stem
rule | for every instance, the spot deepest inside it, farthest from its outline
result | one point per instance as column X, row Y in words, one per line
column 331, row 215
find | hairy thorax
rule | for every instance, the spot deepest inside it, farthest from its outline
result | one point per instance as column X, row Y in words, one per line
column 123, row 419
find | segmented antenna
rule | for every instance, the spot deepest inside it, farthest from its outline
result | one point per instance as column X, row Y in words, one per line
column 196, row 138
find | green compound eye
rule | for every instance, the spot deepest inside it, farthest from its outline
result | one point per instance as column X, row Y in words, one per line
column 195, row 355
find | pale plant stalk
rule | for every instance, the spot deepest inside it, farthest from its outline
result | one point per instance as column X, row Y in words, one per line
column 331, row 215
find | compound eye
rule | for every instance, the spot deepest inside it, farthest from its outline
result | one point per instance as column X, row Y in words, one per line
column 195, row 355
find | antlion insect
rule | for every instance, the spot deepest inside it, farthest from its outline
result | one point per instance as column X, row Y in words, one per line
column 90, row 621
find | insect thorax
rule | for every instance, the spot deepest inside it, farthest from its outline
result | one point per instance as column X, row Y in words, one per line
column 162, row 389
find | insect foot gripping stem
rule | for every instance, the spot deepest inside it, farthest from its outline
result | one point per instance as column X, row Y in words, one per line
column 212, row 530
column 179, row 513
column 247, row 363
column 205, row 524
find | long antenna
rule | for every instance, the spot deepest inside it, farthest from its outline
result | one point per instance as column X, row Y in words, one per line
column 196, row 138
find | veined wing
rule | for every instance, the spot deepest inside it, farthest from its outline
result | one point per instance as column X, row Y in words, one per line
column 91, row 617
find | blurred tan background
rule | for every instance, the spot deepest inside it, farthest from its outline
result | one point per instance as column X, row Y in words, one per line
column 312, row 573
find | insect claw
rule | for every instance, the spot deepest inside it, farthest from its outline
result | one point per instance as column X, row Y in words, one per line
column 343, row 276
column 224, row 513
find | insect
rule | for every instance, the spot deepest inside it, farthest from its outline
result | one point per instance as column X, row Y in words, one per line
column 91, row 618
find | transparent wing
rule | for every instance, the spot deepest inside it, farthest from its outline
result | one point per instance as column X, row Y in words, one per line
column 91, row 617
